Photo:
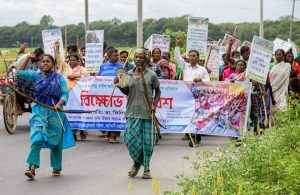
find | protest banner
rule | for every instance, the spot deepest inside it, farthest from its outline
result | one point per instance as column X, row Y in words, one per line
column 236, row 42
column 197, row 34
column 281, row 44
column 214, row 60
column 214, row 108
column 285, row 45
column 94, row 50
column 158, row 41
column 259, row 60
column 52, row 37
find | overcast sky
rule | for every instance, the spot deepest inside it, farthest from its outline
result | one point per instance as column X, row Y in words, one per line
column 72, row 11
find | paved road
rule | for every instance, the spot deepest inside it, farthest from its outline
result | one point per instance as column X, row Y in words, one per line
column 93, row 166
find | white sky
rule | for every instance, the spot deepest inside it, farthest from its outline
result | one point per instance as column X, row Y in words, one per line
column 72, row 11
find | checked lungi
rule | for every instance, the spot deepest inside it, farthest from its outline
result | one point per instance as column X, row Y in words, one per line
column 140, row 138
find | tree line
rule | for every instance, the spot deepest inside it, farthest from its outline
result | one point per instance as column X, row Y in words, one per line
column 123, row 34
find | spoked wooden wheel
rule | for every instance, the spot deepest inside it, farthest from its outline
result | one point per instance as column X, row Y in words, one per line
column 10, row 113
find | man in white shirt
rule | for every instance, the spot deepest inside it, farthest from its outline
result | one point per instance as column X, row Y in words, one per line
column 192, row 72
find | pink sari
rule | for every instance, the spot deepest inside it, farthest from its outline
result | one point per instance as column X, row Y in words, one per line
column 227, row 73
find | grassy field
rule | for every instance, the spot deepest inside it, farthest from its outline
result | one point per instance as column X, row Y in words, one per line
column 9, row 54
column 266, row 164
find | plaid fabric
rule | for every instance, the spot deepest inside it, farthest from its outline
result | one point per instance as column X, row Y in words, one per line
column 140, row 140
column 156, row 68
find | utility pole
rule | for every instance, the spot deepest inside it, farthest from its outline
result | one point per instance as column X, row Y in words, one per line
column 139, row 30
column 66, row 36
column 292, row 19
column 261, row 28
column 86, row 5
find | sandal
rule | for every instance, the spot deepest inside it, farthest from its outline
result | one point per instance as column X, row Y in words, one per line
column 134, row 171
column 56, row 173
column 83, row 135
column 30, row 173
column 147, row 175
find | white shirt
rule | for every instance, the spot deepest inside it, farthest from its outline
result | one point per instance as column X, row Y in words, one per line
column 190, row 72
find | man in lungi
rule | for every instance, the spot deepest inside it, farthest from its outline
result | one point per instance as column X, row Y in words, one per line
column 141, row 85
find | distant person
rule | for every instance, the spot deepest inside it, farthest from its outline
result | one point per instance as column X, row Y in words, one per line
column 76, row 71
column 296, row 68
column 72, row 49
column 82, row 55
column 127, row 66
column 167, row 70
column 113, row 64
column 31, row 60
column 155, row 58
column 228, row 70
column 240, row 71
column 167, row 56
column 279, row 80
column 107, row 53
column 110, row 68
column 245, row 53
column 22, row 50
column 192, row 72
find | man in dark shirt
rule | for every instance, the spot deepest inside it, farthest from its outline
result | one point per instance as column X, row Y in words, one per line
column 143, row 92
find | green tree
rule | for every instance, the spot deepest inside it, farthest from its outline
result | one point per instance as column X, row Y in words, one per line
column 46, row 21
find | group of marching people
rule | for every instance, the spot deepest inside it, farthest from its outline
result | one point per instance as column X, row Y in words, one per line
column 50, row 78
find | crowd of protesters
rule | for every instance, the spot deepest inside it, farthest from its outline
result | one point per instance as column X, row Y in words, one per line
column 53, row 76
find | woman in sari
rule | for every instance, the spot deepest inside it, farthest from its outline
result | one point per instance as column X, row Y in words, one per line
column 167, row 70
column 279, row 79
column 48, row 127
column 228, row 70
column 240, row 71
column 172, row 66
column 76, row 71
column 153, row 65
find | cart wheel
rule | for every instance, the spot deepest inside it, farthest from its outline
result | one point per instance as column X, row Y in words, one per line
column 10, row 114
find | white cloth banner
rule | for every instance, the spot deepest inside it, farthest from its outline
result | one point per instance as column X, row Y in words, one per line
column 208, row 108
column 52, row 37
column 236, row 42
column 197, row 34
column 285, row 45
column 94, row 50
column 214, row 61
column 259, row 60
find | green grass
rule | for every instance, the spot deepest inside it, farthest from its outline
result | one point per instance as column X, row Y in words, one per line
column 265, row 165
column 9, row 54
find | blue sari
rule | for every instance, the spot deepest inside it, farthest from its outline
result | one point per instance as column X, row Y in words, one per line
column 47, row 127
